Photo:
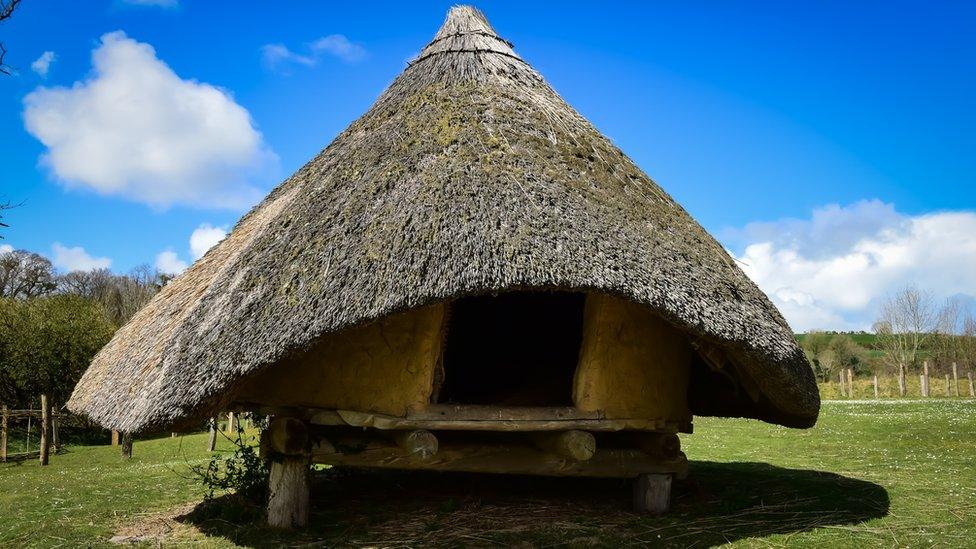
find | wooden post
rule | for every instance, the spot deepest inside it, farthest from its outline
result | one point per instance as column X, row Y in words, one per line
column 955, row 379
column 876, row 386
column 843, row 384
column 850, row 383
column 921, row 384
column 288, row 482
column 902, row 386
column 45, row 446
column 55, row 441
column 212, row 443
column 652, row 493
column 3, row 434
column 972, row 390
column 115, row 437
column 126, row 445
column 948, row 392
column 926, row 389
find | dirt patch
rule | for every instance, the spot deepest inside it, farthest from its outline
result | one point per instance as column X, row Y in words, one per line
column 153, row 527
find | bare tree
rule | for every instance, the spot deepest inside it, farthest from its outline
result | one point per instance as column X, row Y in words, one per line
column 120, row 295
column 7, row 8
column 908, row 320
column 24, row 275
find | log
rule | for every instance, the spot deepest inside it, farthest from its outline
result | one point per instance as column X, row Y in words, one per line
column 288, row 436
column 500, row 458
column 288, row 492
column 3, row 433
column 419, row 443
column 574, row 445
column 652, row 493
column 45, row 447
column 126, row 445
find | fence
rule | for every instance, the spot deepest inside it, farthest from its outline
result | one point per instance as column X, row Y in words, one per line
column 29, row 433
column 924, row 386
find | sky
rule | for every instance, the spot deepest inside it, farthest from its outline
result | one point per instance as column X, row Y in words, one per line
column 827, row 145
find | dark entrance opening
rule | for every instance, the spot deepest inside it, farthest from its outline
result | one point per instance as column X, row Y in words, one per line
column 513, row 349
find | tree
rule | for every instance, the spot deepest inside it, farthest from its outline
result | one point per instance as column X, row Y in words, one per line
column 7, row 8
column 907, row 321
column 816, row 347
column 46, row 343
column 120, row 295
column 24, row 275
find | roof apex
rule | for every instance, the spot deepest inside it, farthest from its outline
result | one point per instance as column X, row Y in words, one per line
column 465, row 20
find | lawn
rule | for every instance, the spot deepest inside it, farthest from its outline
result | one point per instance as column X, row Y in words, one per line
column 886, row 473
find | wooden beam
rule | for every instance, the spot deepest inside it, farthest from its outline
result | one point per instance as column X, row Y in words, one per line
column 504, row 458
column 486, row 418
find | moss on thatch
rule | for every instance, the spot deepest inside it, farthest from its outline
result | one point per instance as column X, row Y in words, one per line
column 469, row 175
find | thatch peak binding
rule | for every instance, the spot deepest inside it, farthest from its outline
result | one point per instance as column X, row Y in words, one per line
column 469, row 175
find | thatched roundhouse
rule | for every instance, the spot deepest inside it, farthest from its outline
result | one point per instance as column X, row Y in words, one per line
column 470, row 267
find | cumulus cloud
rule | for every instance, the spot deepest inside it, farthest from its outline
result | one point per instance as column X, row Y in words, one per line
column 135, row 129
column 205, row 237
column 42, row 64
column 168, row 262
column 77, row 259
column 278, row 56
column 831, row 271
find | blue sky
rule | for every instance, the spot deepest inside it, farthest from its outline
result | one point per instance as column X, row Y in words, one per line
column 819, row 141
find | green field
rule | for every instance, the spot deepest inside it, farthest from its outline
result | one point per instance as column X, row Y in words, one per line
column 887, row 473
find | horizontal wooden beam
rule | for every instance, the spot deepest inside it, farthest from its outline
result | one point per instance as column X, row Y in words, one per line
column 509, row 459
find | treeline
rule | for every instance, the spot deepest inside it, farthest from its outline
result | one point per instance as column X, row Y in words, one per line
column 911, row 330
column 52, row 324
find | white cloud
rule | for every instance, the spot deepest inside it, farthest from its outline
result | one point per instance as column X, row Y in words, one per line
column 77, row 259
column 279, row 57
column 42, row 64
column 833, row 270
column 134, row 128
column 155, row 3
column 205, row 237
column 168, row 262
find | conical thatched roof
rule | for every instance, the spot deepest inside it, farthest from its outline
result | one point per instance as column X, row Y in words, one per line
column 468, row 175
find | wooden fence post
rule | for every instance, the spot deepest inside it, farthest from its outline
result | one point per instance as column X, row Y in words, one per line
column 115, row 437
column 3, row 435
column 45, row 447
column 843, row 384
column 55, row 440
column 948, row 393
column 926, row 390
column 876, row 386
column 921, row 384
column 972, row 390
column 850, row 383
column 126, row 445
column 212, row 443
column 902, row 386
column 955, row 378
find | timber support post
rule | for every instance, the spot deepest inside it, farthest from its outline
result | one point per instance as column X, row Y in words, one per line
column 115, row 438
column 287, row 441
column 45, row 446
column 126, row 445
column 652, row 493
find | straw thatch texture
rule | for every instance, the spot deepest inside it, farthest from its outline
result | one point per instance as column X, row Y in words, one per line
column 468, row 175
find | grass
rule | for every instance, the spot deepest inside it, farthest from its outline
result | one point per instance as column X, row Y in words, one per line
column 885, row 473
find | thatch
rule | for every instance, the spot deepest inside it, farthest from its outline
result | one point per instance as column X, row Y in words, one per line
column 469, row 175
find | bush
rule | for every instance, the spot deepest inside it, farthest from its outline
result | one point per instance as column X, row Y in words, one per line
column 242, row 472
